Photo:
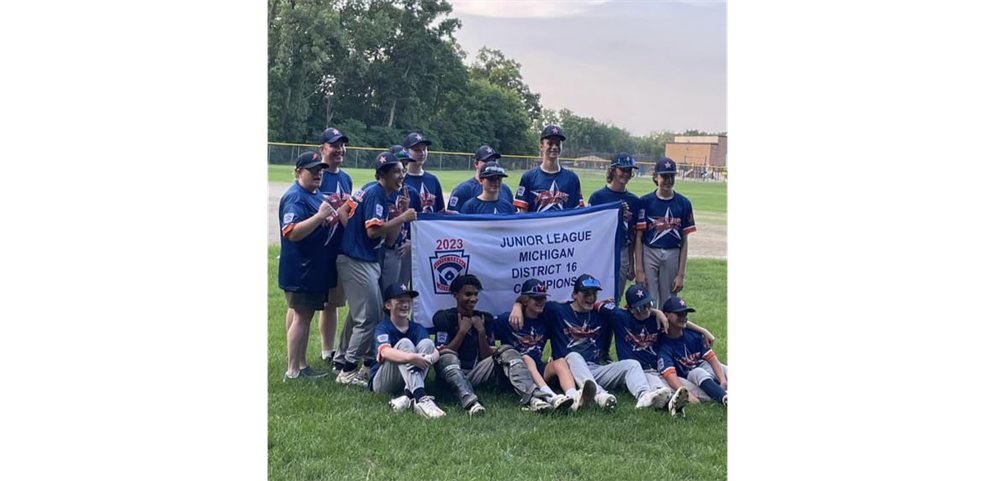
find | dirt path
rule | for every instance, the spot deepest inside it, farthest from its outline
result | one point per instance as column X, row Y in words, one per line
column 709, row 242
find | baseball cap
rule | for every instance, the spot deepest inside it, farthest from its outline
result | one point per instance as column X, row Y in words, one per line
column 414, row 138
column 586, row 282
column 637, row 295
column 676, row 304
column 394, row 149
column 332, row 135
column 486, row 152
column 553, row 131
column 624, row 160
column 665, row 165
column 534, row 288
column 386, row 159
column 396, row 290
column 491, row 169
column 309, row 160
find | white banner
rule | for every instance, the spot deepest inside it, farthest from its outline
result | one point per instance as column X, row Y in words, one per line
column 503, row 251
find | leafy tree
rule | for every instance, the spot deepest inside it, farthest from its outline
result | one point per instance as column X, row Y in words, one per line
column 493, row 66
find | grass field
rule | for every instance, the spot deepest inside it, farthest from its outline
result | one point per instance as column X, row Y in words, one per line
column 706, row 196
column 322, row 430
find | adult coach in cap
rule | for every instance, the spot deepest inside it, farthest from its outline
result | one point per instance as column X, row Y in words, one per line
column 665, row 219
column 305, row 262
column 336, row 187
column 473, row 186
column 549, row 186
column 404, row 354
column 425, row 183
column 489, row 201
column 359, row 262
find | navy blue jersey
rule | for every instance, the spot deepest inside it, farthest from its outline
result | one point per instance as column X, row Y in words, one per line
column 634, row 339
column 387, row 335
column 471, row 188
column 664, row 222
column 336, row 188
column 477, row 206
column 413, row 202
column 679, row 356
column 306, row 265
column 370, row 207
column 607, row 196
column 570, row 331
column 429, row 191
column 447, row 325
column 530, row 340
column 539, row 191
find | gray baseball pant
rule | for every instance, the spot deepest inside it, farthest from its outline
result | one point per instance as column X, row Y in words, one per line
column 623, row 270
column 393, row 377
column 391, row 268
column 362, row 295
column 505, row 363
column 660, row 267
column 699, row 374
column 610, row 376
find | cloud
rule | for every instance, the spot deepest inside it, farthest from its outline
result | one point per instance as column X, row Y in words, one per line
column 523, row 8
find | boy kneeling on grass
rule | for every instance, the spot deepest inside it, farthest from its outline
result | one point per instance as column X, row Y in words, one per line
column 685, row 360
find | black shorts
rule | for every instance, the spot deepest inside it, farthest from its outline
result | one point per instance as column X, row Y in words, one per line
column 314, row 301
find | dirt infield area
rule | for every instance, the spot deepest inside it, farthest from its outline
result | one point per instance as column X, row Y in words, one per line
column 708, row 242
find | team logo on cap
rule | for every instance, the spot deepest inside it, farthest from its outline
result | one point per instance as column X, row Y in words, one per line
column 639, row 293
column 489, row 150
column 382, row 159
column 418, row 137
column 335, row 132
column 666, row 165
column 556, row 130
column 446, row 266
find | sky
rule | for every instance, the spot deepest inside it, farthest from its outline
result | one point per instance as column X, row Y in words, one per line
column 643, row 66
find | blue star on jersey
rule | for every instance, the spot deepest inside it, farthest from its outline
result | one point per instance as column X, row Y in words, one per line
column 690, row 360
column 335, row 199
column 667, row 224
column 548, row 199
column 427, row 199
column 643, row 341
column 530, row 341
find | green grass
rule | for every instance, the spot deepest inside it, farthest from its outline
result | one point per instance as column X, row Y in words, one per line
column 707, row 197
column 322, row 430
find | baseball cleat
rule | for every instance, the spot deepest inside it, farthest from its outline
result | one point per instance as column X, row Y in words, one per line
column 606, row 401
column 538, row 405
column 476, row 409
column 402, row 403
column 586, row 395
column 725, row 400
column 426, row 407
column 350, row 378
column 562, row 403
column 678, row 401
column 656, row 399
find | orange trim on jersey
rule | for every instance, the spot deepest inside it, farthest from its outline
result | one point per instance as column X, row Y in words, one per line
column 640, row 226
column 374, row 222
column 708, row 355
column 286, row 229
column 690, row 230
column 380, row 351
column 668, row 371
column 521, row 204
column 581, row 203
column 352, row 205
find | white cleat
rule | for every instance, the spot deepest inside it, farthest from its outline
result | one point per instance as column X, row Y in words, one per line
column 562, row 403
column 606, row 401
column 402, row 403
column 426, row 407
column 538, row 405
column 678, row 401
column 656, row 399
column 586, row 394
column 353, row 378
column 476, row 410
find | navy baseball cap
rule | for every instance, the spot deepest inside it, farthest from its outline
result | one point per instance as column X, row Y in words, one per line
column 486, row 152
column 553, row 131
column 386, row 159
column 586, row 282
column 676, row 304
column 414, row 138
column 309, row 160
column 638, row 295
column 534, row 288
column 492, row 169
column 396, row 290
column 665, row 165
column 624, row 160
column 332, row 135
column 394, row 149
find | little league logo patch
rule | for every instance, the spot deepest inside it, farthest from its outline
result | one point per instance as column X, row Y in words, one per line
column 288, row 218
column 383, row 338
column 446, row 265
column 521, row 190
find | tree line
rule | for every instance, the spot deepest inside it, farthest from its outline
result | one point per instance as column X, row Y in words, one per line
column 379, row 69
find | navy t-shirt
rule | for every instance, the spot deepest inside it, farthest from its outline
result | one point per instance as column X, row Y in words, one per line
column 634, row 339
column 570, row 331
column 387, row 335
column 530, row 340
column 446, row 325
column 607, row 196
column 539, row 191
column 470, row 188
column 370, row 207
column 429, row 191
column 679, row 356
column 477, row 206
column 664, row 223
column 307, row 264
